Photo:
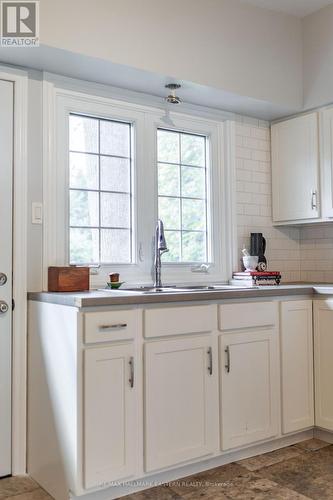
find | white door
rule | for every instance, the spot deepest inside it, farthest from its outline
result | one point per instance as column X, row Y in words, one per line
column 295, row 169
column 297, row 365
column 323, row 342
column 180, row 401
column 249, row 387
column 6, row 175
column 110, row 414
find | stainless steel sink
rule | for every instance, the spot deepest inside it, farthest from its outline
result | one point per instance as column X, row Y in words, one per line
column 181, row 289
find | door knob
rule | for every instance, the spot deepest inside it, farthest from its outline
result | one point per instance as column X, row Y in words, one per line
column 3, row 307
column 3, row 279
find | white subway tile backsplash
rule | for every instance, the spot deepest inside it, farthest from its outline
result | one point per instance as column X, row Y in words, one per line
column 260, row 155
column 316, row 253
column 254, row 200
column 242, row 152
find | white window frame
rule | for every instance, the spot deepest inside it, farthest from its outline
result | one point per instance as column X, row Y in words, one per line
column 58, row 104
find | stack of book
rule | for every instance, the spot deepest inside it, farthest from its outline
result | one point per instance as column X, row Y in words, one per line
column 255, row 278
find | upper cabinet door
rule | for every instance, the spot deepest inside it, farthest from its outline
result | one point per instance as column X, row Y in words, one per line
column 295, row 169
column 327, row 161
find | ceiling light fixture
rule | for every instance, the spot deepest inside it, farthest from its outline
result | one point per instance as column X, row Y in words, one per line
column 172, row 98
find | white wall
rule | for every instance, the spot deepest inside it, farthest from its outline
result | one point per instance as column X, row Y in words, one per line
column 318, row 58
column 220, row 43
column 35, row 179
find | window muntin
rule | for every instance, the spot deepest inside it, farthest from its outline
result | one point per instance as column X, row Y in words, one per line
column 182, row 194
column 100, row 191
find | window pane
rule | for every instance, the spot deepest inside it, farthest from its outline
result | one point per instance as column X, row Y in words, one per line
column 100, row 191
column 173, row 240
column 168, row 146
column 83, row 171
column 193, row 150
column 84, row 246
column 194, row 215
column 115, row 245
column 169, row 212
column 168, row 180
column 193, row 182
column 115, row 138
column 83, row 134
column 115, row 210
column 194, row 247
column 84, row 209
column 115, row 174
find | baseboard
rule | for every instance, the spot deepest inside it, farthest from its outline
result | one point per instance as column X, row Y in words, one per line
column 187, row 470
column 323, row 434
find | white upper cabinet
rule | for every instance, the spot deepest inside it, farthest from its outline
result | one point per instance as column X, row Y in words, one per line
column 326, row 121
column 295, row 170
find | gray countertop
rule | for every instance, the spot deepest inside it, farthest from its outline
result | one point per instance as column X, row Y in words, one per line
column 97, row 298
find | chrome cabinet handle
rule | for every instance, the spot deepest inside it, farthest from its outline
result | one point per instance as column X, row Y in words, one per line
column 3, row 279
column 131, row 379
column 210, row 361
column 113, row 327
column 314, row 199
column 227, row 365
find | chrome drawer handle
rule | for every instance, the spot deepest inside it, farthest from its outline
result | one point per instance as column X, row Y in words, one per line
column 131, row 379
column 227, row 365
column 210, row 361
column 113, row 327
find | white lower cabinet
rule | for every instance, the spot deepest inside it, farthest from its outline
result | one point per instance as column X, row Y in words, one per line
column 323, row 359
column 110, row 426
column 249, row 382
column 297, row 365
column 181, row 401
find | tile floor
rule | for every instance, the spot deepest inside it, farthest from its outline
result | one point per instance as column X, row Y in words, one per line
column 300, row 472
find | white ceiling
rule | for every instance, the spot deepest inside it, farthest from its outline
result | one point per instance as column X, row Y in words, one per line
column 299, row 8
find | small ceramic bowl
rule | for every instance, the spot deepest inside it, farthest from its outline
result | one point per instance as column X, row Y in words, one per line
column 114, row 284
column 250, row 262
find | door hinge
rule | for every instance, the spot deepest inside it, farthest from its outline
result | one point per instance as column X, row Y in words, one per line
column 13, row 304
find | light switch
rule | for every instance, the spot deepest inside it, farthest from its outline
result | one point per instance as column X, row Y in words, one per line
column 36, row 213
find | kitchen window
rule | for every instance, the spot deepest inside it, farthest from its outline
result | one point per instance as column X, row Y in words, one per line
column 112, row 168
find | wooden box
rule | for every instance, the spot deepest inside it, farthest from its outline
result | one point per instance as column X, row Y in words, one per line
column 68, row 279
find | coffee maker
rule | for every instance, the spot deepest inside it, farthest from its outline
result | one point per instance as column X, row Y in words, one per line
column 258, row 247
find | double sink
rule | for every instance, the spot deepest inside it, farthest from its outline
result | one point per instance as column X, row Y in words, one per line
column 181, row 289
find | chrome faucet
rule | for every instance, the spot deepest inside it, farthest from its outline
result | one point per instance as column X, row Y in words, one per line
column 160, row 247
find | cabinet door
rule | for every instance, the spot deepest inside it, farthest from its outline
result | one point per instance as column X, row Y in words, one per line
column 323, row 360
column 249, row 387
column 110, row 414
column 297, row 365
column 295, row 165
column 326, row 123
column 181, row 401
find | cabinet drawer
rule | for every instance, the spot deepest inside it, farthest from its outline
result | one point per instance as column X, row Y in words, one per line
column 111, row 325
column 247, row 315
column 179, row 320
